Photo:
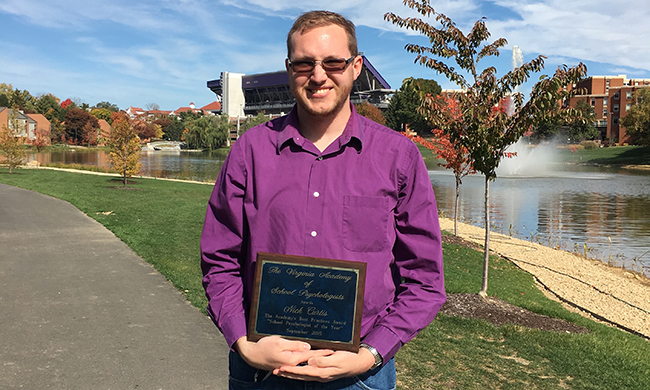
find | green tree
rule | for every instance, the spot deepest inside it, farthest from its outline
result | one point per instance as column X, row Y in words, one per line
column 188, row 116
column 171, row 126
column 22, row 100
column 125, row 146
column 107, row 105
column 48, row 105
column 6, row 89
column 403, row 108
column 484, row 126
column 427, row 87
column 583, row 130
column 5, row 93
column 11, row 143
column 637, row 120
column 250, row 122
column 57, row 131
column 546, row 128
column 102, row 113
column 80, row 103
column 207, row 132
column 371, row 112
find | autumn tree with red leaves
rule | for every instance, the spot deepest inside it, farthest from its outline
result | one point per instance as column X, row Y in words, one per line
column 147, row 130
column 371, row 112
column 455, row 155
column 77, row 124
column 66, row 103
column 90, row 134
column 41, row 139
column 484, row 127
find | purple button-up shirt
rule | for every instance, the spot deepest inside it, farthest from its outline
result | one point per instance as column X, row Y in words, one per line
column 367, row 197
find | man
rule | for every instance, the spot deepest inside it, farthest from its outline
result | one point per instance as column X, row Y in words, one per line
column 324, row 182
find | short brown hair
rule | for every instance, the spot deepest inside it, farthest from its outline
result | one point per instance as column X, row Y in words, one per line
column 313, row 19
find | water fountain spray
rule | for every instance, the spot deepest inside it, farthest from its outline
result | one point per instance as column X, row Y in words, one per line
column 517, row 57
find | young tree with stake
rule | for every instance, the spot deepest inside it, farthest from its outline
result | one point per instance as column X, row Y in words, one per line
column 485, row 127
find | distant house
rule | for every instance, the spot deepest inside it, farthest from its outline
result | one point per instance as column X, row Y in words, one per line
column 42, row 125
column 191, row 108
column 158, row 113
column 135, row 112
column 213, row 108
column 104, row 131
column 27, row 124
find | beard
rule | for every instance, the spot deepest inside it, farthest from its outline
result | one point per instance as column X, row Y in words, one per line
column 321, row 110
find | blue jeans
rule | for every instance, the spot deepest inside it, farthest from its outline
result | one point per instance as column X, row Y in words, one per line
column 243, row 377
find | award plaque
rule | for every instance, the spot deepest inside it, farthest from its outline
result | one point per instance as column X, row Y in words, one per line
column 311, row 299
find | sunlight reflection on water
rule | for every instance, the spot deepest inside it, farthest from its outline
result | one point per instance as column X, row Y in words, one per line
column 567, row 210
column 561, row 205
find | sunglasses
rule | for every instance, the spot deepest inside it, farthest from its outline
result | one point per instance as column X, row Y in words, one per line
column 331, row 64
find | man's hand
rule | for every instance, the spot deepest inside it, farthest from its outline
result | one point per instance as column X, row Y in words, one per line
column 330, row 367
column 272, row 352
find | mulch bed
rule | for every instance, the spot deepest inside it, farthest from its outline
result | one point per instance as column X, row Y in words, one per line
column 499, row 312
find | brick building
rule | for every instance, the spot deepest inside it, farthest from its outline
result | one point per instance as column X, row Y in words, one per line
column 611, row 97
column 28, row 124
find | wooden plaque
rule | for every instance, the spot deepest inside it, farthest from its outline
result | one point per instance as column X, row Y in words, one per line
column 316, row 300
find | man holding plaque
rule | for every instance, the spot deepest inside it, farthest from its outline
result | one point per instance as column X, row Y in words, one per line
column 323, row 182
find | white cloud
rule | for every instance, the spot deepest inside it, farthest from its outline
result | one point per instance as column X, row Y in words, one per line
column 594, row 30
column 170, row 48
column 81, row 14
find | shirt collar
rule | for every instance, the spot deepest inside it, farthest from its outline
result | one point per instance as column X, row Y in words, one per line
column 353, row 133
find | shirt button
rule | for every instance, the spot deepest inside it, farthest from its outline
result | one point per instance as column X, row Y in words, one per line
column 316, row 194
column 314, row 234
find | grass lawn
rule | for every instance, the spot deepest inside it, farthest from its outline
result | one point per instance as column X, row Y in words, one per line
column 615, row 155
column 162, row 222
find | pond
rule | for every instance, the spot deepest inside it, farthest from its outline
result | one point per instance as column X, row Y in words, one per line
column 602, row 211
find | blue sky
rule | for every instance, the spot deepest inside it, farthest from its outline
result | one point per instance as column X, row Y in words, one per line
column 132, row 53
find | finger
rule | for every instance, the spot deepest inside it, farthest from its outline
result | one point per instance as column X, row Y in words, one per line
column 334, row 359
column 307, row 373
column 295, row 358
column 295, row 346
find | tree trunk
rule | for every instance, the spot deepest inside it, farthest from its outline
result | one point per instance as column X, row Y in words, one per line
column 486, row 254
column 456, row 206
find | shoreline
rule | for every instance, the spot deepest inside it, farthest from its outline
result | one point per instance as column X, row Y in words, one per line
column 632, row 167
column 613, row 295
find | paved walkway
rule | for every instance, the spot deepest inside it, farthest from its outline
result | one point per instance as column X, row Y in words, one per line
column 80, row 310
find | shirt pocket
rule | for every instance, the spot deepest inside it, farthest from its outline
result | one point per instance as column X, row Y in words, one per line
column 365, row 223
